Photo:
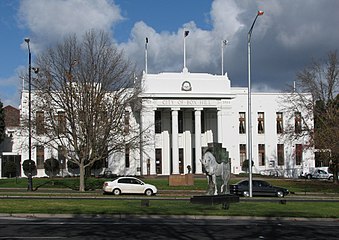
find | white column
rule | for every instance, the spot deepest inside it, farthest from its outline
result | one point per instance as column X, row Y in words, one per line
column 175, row 145
column 197, row 118
column 219, row 131
column 147, row 150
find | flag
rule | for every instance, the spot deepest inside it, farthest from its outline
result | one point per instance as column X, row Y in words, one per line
column 186, row 33
column 260, row 13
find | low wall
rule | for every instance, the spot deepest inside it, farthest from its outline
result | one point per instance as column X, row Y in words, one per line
column 181, row 180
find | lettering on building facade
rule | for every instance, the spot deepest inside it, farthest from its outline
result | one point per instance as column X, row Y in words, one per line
column 186, row 102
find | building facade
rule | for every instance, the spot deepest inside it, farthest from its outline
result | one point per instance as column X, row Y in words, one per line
column 191, row 110
column 184, row 112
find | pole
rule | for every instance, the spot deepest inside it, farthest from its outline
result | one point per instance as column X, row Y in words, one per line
column 223, row 44
column 185, row 35
column 30, row 181
column 146, row 43
column 184, row 52
column 249, row 110
column 222, row 58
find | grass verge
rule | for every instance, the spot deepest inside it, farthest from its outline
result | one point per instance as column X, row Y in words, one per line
column 294, row 185
column 51, row 187
column 160, row 207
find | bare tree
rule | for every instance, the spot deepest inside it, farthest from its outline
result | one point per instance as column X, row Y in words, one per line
column 84, row 93
column 321, row 123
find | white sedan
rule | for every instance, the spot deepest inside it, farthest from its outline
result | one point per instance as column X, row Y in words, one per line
column 129, row 185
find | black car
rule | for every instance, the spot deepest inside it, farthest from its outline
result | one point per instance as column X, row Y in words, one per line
column 259, row 188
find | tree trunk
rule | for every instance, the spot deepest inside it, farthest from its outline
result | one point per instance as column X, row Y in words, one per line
column 82, row 178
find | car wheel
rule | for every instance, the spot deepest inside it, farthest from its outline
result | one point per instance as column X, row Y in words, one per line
column 330, row 178
column 280, row 194
column 148, row 192
column 246, row 194
column 308, row 176
column 116, row 191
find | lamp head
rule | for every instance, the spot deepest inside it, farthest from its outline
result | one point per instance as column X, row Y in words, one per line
column 27, row 40
column 35, row 70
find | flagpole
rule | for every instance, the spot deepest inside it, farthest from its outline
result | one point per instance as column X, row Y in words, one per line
column 184, row 51
column 223, row 43
column 222, row 58
column 146, row 43
column 185, row 35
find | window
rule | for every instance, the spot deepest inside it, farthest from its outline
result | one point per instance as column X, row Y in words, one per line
column 40, row 156
column 125, row 180
column 261, row 124
column 157, row 122
column 281, row 157
column 158, row 160
column 126, row 122
column 105, row 157
column 297, row 122
column 242, row 148
column 61, row 123
column 40, row 122
column 298, row 154
column 62, row 156
column 180, row 122
column 242, row 123
column 127, row 150
column 261, row 155
column 279, row 120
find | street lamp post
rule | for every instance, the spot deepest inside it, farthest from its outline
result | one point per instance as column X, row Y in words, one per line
column 249, row 111
column 30, row 181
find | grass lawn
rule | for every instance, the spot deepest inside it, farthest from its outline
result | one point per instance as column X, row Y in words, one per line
column 52, row 187
column 168, row 207
column 294, row 185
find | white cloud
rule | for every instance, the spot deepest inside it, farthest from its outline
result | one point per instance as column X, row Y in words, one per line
column 225, row 20
column 13, row 86
column 49, row 21
column 165, row 50
column 284, row 40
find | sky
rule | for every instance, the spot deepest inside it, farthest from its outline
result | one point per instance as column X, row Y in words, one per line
column 287, row 38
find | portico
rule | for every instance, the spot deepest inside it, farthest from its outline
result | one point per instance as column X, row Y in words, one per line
column 184, row 119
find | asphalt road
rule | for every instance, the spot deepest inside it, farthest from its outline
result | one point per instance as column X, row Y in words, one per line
column 162, row 227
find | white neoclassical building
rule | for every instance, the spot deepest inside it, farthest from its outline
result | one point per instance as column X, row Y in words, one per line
column 191, row 110
column 182, row 113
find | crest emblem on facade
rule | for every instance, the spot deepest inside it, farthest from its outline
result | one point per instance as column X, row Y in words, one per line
column 186, row 86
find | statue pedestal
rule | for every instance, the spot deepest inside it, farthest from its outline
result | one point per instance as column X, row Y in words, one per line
column 225, row 200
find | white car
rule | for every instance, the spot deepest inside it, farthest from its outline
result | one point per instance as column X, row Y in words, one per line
column 320, row 174
column 129, row 185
